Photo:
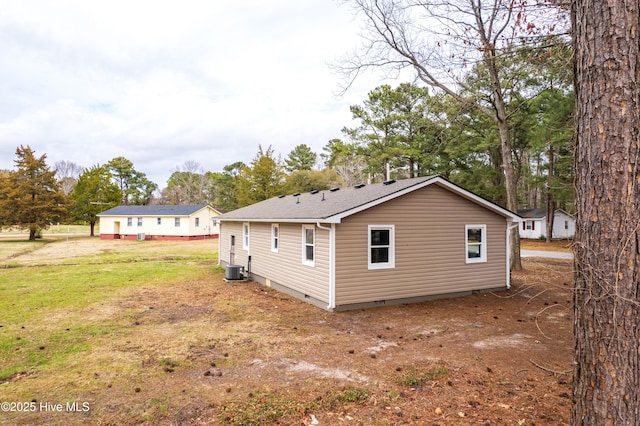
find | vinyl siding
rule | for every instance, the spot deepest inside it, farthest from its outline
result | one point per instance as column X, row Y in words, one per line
column 541, row 227
column 227, row 229
column 429, row 249
column 559, row 230
column 284, row 267
column 167, row 226
column 538, row 225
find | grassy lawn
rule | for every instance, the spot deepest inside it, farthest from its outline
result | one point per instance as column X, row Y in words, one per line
column 62, row 303
column 44, row 308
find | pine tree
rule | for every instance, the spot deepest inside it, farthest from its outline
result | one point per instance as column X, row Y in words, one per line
column 136, row 189
column 260, row 181
column 606, row 367
column 301, row 158
column 94, row 193
column 30, row 196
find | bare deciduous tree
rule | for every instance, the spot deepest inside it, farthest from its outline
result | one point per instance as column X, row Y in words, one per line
column 67, row 173
column 352, row 170
column 187, row 186
column 440, row 41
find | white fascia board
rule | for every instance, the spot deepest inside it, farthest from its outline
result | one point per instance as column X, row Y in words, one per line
column 147, row 215
column 277, row 220
column 564, row 212
column 209, row 208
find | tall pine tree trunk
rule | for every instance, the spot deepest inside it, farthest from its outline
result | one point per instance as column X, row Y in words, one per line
column 606, row 385
column 550, row 212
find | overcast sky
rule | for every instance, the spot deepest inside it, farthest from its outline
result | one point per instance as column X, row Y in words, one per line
column 165, row 82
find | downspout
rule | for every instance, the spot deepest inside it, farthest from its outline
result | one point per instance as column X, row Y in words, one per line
column 332, row 264
column 509, row 228
column 219, row 240
column 248, row 252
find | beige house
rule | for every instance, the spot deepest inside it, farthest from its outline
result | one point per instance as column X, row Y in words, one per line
column 190, row 222
column 369, row 245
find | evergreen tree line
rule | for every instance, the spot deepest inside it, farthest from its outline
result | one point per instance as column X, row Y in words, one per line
column 400, row 132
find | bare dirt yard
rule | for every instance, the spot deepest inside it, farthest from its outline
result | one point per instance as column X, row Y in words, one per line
column 203, row 351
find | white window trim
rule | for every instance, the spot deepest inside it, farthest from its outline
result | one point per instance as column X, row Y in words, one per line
column 275, row 237
column 483, row 244
column 246, row 235
column 139, row 221
column 177, row 222
column 305, row 261
column 392, row 247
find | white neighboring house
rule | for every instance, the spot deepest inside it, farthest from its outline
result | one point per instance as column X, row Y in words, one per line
column 162, row 222
column 534, row 224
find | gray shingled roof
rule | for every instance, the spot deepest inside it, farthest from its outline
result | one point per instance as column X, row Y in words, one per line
column 332, row 205
column 321, row 205
column 160, row 210
column 539, row 213
column 533, row 213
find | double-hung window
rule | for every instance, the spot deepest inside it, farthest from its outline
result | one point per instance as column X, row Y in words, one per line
column 159, row 221
column 476, row 243
column 129, row 221
column 197, row 222
column 275, row 237
column 139, row 221
column 382, row 247
column 245, row 236
column 176, row 222
column 308, row 245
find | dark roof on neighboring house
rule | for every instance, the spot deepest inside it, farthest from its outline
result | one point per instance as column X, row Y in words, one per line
column 159, row 210
column 539, row 213
column 333, row 204
column 533, row 213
